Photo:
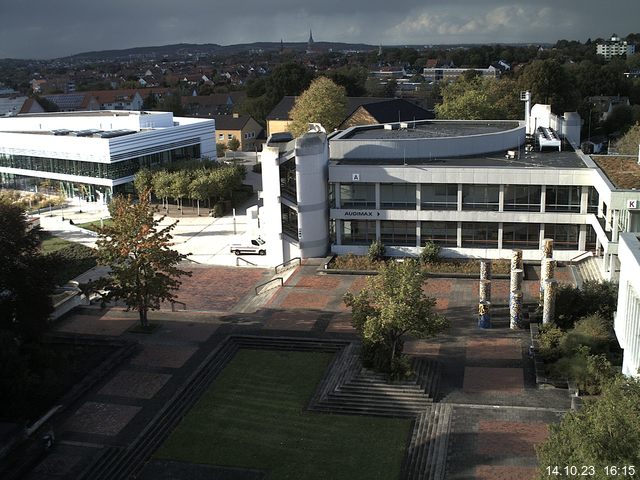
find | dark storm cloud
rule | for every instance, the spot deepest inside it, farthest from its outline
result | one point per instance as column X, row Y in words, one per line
column 46, row 28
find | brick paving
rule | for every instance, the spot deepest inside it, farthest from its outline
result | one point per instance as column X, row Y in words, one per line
column 490, row 379
column 134, row 384
column 494, row 348
column 101, row 418
column 340, row 323
column 163, row 356
column 305, row 299
column 291, row 321
column 99, row 324
column 421, row 347
column 510, row 438
column 504, row 472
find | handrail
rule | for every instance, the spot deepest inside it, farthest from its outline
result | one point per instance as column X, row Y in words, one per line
column 173, row 305
column 286, row 265
column 586, row 254
column 245, row 261
column 269, row 285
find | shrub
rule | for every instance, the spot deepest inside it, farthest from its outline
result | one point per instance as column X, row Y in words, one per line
column 549, row 342
column 218, row 210
column 430, row 253
column 599, row 373
column 376, row 251
column 71, row 261
column 257, row 168
column 594, row 297
column 591, row 331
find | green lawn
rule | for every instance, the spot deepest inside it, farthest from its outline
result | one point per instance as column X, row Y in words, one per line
column 53, row 244
column 253, row 416
column 93, row 226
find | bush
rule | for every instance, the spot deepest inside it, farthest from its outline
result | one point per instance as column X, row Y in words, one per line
column 591, row 331
column 257, row 168
column 599, row 373
column 430, row 253
column 549, row 343
column 218, row 210
column 71, row 261
column 376, row 251
column 594, row 297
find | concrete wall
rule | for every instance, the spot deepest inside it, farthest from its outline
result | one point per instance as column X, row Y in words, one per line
column 627, row 322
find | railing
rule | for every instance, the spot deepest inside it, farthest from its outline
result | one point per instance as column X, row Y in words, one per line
column 239, row 259
column 173, row 305
column 582, row 256
column 287, row 265
column 273, row 283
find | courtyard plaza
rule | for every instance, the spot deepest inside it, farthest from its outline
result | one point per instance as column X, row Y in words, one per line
column 498, row 413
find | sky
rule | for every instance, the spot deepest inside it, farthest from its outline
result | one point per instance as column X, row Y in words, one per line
column 56, row 28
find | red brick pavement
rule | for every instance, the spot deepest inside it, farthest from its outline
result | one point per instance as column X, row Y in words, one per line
column 323, row 282
column 217, row 288
column 437, row 287
column 341, row 323
column 510, row 438
column 292, row 321
column 489, row 379
column 504, row 472
column 494, row 348
column 302, row 299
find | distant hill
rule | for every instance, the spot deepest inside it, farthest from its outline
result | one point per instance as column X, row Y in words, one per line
column 182, row 49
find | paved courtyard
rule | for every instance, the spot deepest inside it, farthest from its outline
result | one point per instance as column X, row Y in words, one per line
column 498, row 413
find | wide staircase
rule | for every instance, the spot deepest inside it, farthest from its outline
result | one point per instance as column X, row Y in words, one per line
column 351, row 389
column 588, row 270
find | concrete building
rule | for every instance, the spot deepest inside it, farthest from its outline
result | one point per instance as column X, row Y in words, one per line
column 96, row 154
column 627, row 321
column 439, row 74
column 477, row 188
column 615, row 47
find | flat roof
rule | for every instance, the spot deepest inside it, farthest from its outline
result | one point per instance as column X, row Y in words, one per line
column 534, row 159
column 429, row 129
column 88, row 113
column 622, row 170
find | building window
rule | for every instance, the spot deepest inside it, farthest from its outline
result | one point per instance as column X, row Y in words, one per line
column 230, row 136
column 592, row 239
column 593, row 200
column 562, row 199
column 289, row 221
column 288, row 186
column 480, row 197
column 439, row 196
column 521, row 235
column 357, row 195
column 442, row 233
column 479, row 235
column 221, row 136
column 398, row 233
column 358, row 232
column 565, row 236
column 522, row 198
column 398, row 196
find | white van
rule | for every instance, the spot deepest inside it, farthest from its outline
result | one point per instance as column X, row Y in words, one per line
column 248, row 245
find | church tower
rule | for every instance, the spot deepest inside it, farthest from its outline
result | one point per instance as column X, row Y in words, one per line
column 310, row 43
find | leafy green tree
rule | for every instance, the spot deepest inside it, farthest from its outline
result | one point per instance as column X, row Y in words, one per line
column 391, row 305
column 143, row 181
column 628, row 144
column 221, row 148
column 25, row 276
column 352, row 78
column 323, row 102
column 162, row 186
column 478, row 98
column 549, row 84
column 605, row 432
column 144, row 269
column 233, row 144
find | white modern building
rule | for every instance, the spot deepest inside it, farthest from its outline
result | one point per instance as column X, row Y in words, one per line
column 96, row 154
column 439, row 74
column 477, row 188
column 627, row 322
column 615, row 47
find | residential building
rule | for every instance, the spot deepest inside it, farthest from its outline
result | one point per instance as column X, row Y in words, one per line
column 96, row 154
column 375, row 110
column 209, row 105
column 615, row 47
column 241, row 127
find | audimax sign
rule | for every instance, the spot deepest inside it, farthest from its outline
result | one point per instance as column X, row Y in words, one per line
column 361, row 213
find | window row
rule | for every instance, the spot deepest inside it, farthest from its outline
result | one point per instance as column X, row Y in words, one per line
column 517, row 198
column 473, row 234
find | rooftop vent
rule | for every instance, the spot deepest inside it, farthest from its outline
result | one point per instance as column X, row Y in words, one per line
column 388, row 126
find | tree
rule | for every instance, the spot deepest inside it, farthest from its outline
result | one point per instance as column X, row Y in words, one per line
column 477, row 98
column 144, row 269
column 393, row 304
column 221, row 148
column 605, row 432
column 323, row 102
column 628, row 144
column 143, row 181
column 549, row 84
column 233, row 144
column 25, row 276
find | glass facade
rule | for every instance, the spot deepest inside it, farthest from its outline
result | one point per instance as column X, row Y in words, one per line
column 439, row 196
column 593, row 200
column 442, row 233
column 398, row 195
column 479, row 235
column 358, row 232
column 357, row 195
column 562, row 199
column 289, row 221
column 112, row 171
column 565, row 236
column 288, row 186
column 480, row 197
column 522, row 198
column 521, row 235
column 398, row 233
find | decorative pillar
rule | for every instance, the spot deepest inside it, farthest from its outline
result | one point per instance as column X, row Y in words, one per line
column 485, row 269
column 485, row 290
column 484, row 314
column 547, row 271
column 547, row 248
column 516, row 280
column 549, row 305
column 516, row 260
column 515, row 310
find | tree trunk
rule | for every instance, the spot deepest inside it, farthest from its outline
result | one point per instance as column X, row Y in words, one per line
column 198, row 207
column 143, row 317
